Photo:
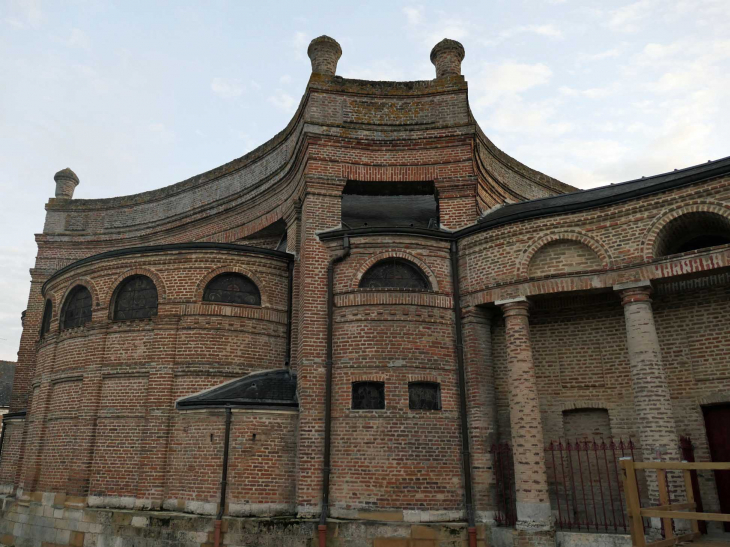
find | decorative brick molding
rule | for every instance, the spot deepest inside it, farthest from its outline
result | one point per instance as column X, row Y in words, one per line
column 563, row 235
column 365, row 266
column 719, row 397
column 232, row 268
column 652, row 236
column 370, row 297
column 579, row 405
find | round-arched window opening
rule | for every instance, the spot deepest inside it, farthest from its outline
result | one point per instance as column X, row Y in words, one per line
column 232, row 288
column 76, row 309
column 692, row 231
column 47, row 314
column 395, row 273
column 136, row 299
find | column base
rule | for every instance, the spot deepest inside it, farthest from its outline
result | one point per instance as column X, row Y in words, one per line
column 512, row 537
column 535, row 517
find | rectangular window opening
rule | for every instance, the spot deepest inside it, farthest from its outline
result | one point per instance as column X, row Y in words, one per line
column 424, row 396
column 368, row 396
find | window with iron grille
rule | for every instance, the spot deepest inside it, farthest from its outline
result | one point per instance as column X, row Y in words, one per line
column 77, row 309
column 47, row 314
column 232, row 288
column 368, row 396
column 136, row 299
column 395, row 273
column 424, row 396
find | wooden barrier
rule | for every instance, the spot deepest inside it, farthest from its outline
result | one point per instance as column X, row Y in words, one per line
column 666, row 511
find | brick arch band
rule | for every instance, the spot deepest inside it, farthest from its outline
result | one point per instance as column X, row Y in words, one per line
column 719, row 397
column 573, row 235
column 364, row 267
column 152, row 274
column 231, row 268
column 86, row 282
column 651, row 237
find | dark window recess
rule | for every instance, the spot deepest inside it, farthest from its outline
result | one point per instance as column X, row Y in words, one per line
column 368, row 396
column 47, row 314
column 395, row 273
column 232, row 288
column 693, row 231
column 389, row 204
column 136, row 299
column 424, row 396
column 77, row 309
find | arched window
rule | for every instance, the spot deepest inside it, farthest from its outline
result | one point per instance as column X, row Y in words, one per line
column 692, row 231
column 47, row 314
column 77, row 308
column 232, row 288
column 136, row 299
column 395, row 273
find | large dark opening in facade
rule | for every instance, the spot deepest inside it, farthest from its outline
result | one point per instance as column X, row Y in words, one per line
column 692, row 231
column 390, row 204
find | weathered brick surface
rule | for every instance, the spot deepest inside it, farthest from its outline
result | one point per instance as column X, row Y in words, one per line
column 101, row 427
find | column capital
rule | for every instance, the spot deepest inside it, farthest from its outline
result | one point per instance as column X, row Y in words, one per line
column 514, row 306
column 636, row 291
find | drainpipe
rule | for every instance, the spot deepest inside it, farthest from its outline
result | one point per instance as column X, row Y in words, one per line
column 465, row 452
column 289, row 299
column 224, row 480
column 341, row 255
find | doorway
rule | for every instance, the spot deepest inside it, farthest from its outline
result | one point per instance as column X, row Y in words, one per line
column 717, row 424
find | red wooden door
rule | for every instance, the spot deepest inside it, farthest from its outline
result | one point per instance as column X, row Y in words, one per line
column 717, row 424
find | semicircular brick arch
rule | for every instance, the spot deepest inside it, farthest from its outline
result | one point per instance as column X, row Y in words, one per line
column 86, row 282
column 231, row 268
column 652, row 235
column 152, row 274
column 394, row 254
column 569, row 235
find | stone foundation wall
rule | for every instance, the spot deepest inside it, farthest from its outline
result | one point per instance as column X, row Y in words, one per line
column 48, row 522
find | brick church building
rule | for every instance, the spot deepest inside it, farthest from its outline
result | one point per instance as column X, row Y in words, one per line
column 324, row 340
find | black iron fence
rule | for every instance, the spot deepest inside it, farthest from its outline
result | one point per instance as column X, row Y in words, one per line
column 584, row 479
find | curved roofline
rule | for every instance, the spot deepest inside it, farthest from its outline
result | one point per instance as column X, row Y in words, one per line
column 559, row 204
column 194, row 246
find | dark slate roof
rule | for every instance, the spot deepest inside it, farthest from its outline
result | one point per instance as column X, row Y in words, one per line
column 604, row 195
column 359, row 211
column 276, row 388
column 7, row 373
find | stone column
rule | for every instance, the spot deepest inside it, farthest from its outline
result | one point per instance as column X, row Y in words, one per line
column 652, row 402
column 531, row 486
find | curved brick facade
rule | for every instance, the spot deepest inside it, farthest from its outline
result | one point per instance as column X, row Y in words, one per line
column 566, row 315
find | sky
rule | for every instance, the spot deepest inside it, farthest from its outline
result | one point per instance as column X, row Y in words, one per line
column 136, row 95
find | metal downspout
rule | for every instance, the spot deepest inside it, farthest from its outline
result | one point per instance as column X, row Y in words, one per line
column 224, row 479
column 341, row 255
column 465, row 452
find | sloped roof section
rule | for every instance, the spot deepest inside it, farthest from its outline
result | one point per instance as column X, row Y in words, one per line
column 601, row 196
column 275, row 388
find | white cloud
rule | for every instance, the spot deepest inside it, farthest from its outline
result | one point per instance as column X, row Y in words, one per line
column 283, row 101
column 25, row 13
column 285, row 79
column 547, row 30
column 507, row 79
column 628, row 18
column 591, row 93
column 414, row 14
column 78, row 39
column 383, row 70
column 300, row 42
column 227, row 88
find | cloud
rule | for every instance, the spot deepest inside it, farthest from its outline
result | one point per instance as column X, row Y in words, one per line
column 548, row 30
column 300, row 43
column 25, row 14
column 591, row 93
column 283, row 101
column 227, row 88
column 285, row 79
column 508, row 79
column 628, row 18
column 78, row 39
column 414, row 14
